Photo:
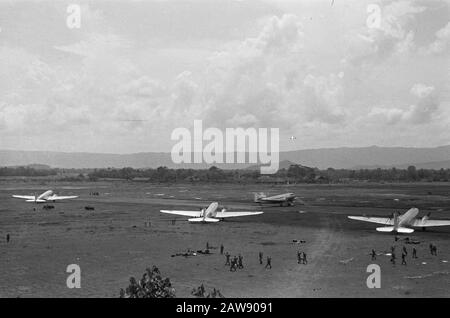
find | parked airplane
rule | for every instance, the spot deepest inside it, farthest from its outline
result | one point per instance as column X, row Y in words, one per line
column 282, row 199
column 47, row 196
column 402, row 223
column 210, row 214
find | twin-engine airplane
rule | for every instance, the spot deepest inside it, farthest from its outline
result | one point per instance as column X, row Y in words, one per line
column 281, row 199
column 403, row 223
column 210, row 214
column 47, row 196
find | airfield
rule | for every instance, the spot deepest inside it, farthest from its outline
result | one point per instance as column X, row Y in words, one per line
column 113, row 242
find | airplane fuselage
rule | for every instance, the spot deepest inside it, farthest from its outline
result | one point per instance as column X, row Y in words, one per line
column 285, row 198
column 45, row 195
column 211, row 210
column 407, row 219
column 207, row 215
column 42, row 198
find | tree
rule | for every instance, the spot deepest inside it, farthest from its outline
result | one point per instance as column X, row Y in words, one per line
column 412, row 173
column 151, row 285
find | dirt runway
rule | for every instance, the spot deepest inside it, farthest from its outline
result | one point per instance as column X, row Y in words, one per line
column 113, row 243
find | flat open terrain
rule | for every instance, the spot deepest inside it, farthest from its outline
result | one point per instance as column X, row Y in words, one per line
column 112, row 243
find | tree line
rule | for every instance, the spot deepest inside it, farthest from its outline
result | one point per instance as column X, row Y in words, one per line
column 293, row 174
column 26, row 172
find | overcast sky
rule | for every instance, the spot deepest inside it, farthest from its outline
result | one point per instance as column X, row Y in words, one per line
column 135, row 70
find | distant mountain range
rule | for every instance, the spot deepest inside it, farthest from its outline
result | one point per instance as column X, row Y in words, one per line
column 348, row 158
column 421, row 165
column 284, row 164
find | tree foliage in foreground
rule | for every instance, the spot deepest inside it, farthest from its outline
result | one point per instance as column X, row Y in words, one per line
column 201, row 292
column 151, row 285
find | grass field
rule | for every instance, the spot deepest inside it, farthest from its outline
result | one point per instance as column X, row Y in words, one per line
column 112, row 243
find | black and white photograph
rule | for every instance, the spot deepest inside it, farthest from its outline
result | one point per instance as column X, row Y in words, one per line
column 251, row 150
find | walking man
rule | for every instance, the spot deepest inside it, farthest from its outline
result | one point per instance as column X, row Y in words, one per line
column 305, row 261
column 233, row 265
column 221, row 249
column 403, row 259
column 227, row 255
column 240, row 264
column 269, row 262
column 374, row 255
column 260, row 258
column 414, row 253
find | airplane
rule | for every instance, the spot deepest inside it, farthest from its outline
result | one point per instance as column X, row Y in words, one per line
column 47, row 196
column 282, row 199
column 403, row 223
column 210, row 214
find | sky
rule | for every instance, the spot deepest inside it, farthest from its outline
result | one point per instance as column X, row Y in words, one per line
column 330, row 73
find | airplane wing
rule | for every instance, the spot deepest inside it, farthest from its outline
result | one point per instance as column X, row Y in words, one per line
column 273, row 200
column 26, row 197
column 221, row 215
column 386, row 221
column 426, row 223
column 57, row 197
column 194, row 214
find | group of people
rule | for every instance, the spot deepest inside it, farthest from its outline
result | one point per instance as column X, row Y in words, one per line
column 433, row 251
column 188, row 253
column 404, row 254
column 301, row 258
column 268, row 260
column 235, row 263
column 201, row 292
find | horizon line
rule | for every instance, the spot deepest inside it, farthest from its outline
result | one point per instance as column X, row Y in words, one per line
column 281, row 151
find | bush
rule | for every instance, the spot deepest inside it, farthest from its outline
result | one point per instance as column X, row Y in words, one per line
column 201, row 293
column 151, row 285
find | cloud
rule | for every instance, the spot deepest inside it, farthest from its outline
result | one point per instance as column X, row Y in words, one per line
column 279, row 34
column 260, row 82
column 421, row 90
column 95, row 45
column 396, row 16
column 423, row 112
column 328, row 81
column 441, row 44
column 393, row 38
column 323, row 96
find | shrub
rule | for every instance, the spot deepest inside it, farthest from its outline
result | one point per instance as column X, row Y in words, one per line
column 151, row 285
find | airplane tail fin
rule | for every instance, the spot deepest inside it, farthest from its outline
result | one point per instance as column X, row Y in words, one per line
column 259, row 196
